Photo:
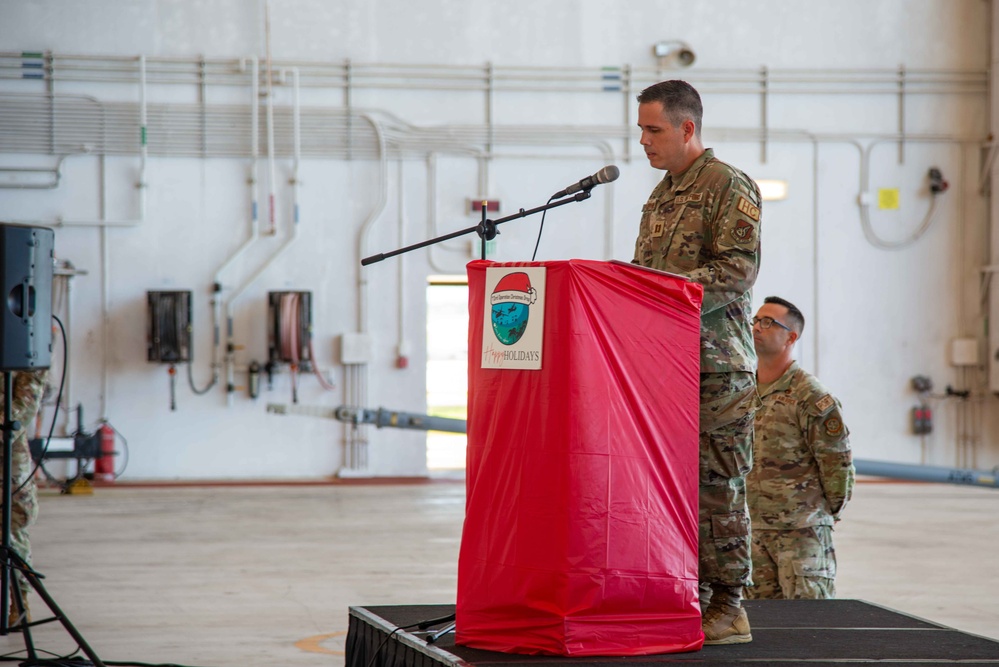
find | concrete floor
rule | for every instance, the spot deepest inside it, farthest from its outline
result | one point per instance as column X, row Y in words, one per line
column 237, row 576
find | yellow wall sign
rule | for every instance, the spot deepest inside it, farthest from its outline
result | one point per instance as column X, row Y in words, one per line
column 888, row 199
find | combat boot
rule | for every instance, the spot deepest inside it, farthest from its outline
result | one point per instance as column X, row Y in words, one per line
column 725, row 621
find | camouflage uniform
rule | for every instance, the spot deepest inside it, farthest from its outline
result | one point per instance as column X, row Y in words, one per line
column 28, row 388
column 704, row 224
column 802, row 480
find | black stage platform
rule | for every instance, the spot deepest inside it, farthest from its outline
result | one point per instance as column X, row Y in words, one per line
column 813, row 633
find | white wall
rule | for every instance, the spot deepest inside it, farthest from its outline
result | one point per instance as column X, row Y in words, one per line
column 876, row 317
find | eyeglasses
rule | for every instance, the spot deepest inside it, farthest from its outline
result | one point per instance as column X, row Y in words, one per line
column 767, row 322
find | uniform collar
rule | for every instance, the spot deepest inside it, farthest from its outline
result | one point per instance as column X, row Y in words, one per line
column 686, row 178
column 783, row 383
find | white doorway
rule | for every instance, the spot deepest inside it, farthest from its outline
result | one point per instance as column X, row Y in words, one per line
column 447, row 368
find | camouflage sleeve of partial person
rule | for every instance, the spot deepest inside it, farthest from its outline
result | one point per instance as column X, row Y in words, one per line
column 733, row 248
column 829, row 440
column 28, row 388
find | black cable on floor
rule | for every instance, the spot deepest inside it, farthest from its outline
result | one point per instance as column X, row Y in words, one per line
column 378, row 650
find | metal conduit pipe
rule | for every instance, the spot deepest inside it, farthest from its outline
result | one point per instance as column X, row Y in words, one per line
column 853, row 78
column 366, row 226
column 293, row 235
column 227, row 127
column 470, row 78
column 105, row 295
column 254, row 233
column 816, row 258
column 589, row 85
column 865, row 172
column 533, row 136
column 402, row 345
column 966, row 143
column 433, row 217
column 432, row 212
column 52, row 184
column 272, row 176
column 918, row 473
column 101, row 123
column 105, row 245
column 297, row 140
column 144, row 147
column 356, row 455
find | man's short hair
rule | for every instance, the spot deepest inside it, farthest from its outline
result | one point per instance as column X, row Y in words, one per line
column 795, row 319
column 680, row 102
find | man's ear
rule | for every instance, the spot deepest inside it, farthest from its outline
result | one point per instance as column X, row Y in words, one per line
column 689, row 129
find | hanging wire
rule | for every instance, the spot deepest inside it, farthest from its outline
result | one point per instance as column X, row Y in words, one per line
column 55, row 411
column 879, row 242
column 541, row 228
column 190, row 380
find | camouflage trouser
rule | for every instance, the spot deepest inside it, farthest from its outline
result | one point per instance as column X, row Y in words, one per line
column 793, row 564
column 728, row 403
column 28, row 388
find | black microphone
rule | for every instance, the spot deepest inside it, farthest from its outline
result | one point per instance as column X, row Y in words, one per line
column 605, row 175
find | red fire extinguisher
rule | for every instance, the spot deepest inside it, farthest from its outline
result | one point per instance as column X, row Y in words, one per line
column 104, row 464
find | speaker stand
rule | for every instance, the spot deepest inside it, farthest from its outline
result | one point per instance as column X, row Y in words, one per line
column 9, row 559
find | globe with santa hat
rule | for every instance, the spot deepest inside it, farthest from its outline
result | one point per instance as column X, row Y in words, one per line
column 511, row 306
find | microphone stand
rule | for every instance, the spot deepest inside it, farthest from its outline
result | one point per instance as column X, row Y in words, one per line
column 486, row 229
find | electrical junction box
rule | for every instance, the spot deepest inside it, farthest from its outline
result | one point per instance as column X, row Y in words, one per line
column 168, row 326
column 355, row 348
column 964, row 352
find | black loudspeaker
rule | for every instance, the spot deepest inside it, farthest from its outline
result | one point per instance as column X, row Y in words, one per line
column 26, row 287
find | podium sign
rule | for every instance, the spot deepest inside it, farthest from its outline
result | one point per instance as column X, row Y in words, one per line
column 580, row 533
column 514, row 317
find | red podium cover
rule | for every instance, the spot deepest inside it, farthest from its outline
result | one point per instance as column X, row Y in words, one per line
column 580, row 534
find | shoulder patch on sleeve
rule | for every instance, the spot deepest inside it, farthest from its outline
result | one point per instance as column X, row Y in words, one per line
column 824, row 403
column 833, row 426
column 748, row 209
column 743, row 233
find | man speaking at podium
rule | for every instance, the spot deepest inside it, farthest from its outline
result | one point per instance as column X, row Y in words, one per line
column 703, row 222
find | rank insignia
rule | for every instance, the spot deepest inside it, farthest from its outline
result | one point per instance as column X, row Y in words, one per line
column 748, row 209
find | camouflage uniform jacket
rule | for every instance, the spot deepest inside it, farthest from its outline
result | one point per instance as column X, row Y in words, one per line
column 803, row 469
column 27, row 395
column 704, row 224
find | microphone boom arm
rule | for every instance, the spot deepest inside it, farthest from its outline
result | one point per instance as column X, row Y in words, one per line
column 481, row 228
